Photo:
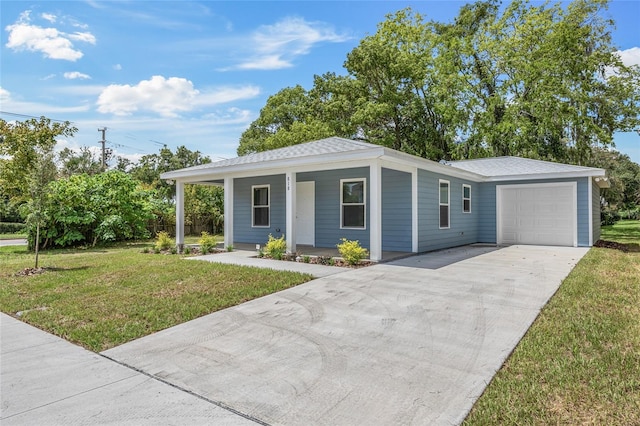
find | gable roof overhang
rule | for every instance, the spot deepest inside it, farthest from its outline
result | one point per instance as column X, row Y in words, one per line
column 356, row 154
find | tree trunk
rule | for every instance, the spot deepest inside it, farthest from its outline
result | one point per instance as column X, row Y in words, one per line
column 37, row 242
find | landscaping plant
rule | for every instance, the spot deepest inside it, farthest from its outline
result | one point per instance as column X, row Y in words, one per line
column 163, row 241
column 207, row 242
column 351, row 251
column 275, row 247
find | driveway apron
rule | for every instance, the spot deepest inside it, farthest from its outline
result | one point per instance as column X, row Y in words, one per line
column 413, row 341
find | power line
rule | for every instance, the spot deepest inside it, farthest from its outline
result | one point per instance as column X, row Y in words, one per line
column 15, row 114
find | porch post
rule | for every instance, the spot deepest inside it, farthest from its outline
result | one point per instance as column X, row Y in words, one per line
column 228, row 211
column 375, row 211
column 414, row 210
column 179, row 216
column 290, row 212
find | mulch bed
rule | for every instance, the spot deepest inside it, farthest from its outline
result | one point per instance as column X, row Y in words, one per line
column 26, row 272
column 612, row 245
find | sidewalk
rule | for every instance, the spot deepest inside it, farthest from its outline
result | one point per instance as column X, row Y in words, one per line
column 46, row 380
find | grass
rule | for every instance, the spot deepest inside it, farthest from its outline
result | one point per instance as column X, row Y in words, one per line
column 580, row 361
column 101, row 298
column 13, row 236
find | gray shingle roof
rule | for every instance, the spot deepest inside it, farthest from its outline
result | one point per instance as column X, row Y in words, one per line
column 332, row 145
column 515, row 166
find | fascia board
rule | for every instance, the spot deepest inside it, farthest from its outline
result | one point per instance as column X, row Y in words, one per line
column 301, row 164
column 560, row 175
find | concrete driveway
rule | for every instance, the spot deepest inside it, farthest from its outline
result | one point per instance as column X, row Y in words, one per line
column 414, row 341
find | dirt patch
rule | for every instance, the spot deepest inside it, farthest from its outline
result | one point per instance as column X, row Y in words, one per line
column 26, row 272
column 612, row 245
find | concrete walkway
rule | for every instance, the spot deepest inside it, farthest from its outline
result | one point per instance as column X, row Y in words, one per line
column 413, row 341
column 13, row 242
column 46, row 380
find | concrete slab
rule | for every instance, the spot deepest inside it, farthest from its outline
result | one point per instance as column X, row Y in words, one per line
column 408, row 342
column 13, row 242
column 46, row 380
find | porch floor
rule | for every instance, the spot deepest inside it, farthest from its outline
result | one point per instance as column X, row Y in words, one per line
column 324, row 251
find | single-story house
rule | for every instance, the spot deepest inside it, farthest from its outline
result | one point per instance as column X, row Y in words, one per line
column 318, row 192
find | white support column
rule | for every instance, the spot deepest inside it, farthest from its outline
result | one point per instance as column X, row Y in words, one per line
column 375, row 211
column 180, row 216
column 414, row 211
column 290, row 212
column 228, row 211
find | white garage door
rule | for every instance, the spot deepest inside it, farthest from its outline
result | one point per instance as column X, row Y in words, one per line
column 542, row 214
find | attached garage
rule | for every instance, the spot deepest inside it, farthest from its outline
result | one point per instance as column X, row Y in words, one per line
column 539, row 214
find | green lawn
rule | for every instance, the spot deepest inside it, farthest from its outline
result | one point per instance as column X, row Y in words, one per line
column 12, row 236
column 580, row 361
column 100, row 298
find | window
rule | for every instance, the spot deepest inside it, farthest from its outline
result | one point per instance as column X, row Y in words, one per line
column 444, row 204
column 466, row 198
column 260, row 206
column 352, row 203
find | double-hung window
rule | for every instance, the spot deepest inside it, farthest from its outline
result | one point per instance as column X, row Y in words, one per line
column 352, row 203
column 466, row 198
column 444, row 203
column 260, row 206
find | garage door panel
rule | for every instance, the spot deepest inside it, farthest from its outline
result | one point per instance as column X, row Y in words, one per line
column 541, row 214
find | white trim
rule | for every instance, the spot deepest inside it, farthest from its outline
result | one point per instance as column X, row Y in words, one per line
column 414, row 210
column 590, row 200
column 228, row 212
column 574, row 205
column 466, row 185
column 375, row 212
column 448, row 204
column 364, row 202
column 290, row 211
column 253, row 188
column 179, row 215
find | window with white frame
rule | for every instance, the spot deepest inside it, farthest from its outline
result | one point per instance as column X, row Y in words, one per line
column 444, row 203
column 260, row 206
column 466, row 198
column 352, row 203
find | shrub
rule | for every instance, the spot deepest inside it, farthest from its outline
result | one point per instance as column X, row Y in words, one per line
column 306, row 259
column 174, row 250
column 163, row 240
column 207, row 242
column 229, row 248
column 11, row 227
column 351, row 251
column 187, row 250
column 275, row 247
column 609, row 216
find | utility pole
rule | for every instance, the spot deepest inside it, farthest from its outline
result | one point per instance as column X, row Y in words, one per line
column 103, row 141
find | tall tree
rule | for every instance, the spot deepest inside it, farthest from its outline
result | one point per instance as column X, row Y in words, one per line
column 22, row 142
column 78, row 162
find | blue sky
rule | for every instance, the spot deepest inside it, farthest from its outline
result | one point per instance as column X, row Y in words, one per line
column 193, row 73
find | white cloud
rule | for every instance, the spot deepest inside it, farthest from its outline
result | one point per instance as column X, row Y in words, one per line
column 5, row 95
column 18, row 106
column 630, row 56
column 166, row 96
column 117, row 67
column 48, row 77
column 49, row 17
column 51, row 42
column 277, row 45
column 76, row 75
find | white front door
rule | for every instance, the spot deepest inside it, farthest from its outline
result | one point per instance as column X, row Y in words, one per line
column 305, row 213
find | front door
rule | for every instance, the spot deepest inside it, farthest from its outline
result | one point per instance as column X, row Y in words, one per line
column 306, row 213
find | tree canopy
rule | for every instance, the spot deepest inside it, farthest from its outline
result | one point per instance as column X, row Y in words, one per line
column 535, row 81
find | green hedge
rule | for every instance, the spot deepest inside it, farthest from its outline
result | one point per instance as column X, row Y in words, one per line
column 11, row 227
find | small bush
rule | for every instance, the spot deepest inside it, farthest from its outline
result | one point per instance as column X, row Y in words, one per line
column 145, row 250
column 156, row 250
column 163, row 241
column 229, row 248
column 306, row 259
column 207, row 242
column 12, row 228
column 187, row 250
column 609, row 216
column 351, row 251
column 275, row 247
column 174, row 250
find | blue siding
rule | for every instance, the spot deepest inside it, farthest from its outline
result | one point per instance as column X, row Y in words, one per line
column 463, row 226
column 328, row 232
column 487, row 224
column 595, row 205
column 243, row 232
column 396, row 210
